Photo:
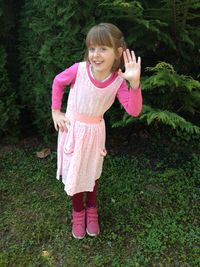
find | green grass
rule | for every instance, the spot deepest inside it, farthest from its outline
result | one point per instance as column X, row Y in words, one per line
column 148, row 210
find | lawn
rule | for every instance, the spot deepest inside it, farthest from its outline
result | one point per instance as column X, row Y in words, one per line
column 148, row 208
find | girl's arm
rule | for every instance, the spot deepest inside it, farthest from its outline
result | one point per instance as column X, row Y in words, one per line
column 131, row 99
column 61, row 80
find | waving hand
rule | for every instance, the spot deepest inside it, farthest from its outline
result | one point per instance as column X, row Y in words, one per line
column 132, row 68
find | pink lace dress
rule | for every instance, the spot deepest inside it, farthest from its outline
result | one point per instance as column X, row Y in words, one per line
column 81, row 150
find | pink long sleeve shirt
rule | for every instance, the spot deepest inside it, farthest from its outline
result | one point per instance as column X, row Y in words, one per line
column 131, row 99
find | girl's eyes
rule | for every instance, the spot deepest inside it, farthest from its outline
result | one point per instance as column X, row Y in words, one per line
column 100, row 49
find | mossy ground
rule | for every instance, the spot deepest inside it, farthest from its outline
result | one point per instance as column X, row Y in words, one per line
column 148, row 209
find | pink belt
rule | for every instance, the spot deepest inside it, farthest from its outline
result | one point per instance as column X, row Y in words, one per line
column 85, row 118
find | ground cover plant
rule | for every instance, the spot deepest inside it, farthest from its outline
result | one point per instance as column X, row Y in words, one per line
column 148, row 209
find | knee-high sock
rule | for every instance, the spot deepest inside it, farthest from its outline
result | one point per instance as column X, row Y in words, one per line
column 77, row 202
column 91, row 196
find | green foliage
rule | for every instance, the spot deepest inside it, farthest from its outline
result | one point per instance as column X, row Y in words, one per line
column 166, row 30
column 168, row 95
column 160, row 29
column 150, row 115
column 9, row 109
column 51, row 37
column 167, row 89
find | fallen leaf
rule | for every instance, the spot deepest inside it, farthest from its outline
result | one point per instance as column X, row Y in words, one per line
column 43, row 153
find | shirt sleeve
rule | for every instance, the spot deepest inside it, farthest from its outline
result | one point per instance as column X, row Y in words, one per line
column 61, row 80
column 131, row 99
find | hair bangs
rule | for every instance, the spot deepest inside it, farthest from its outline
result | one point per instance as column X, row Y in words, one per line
column 99, row 36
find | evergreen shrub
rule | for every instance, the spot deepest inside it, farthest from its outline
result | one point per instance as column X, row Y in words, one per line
column 51, row 39
column 9, row 109
column 168, row 96
column 163, row 32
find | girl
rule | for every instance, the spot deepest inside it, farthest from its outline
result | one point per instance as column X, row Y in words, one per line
column 81, row 141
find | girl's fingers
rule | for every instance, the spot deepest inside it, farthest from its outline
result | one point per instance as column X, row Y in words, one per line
column 60, row 122
column 133, row 56
column 128, row 55
column 139, row 60
column 63, row 126
column 60, row 127
column 125, row 58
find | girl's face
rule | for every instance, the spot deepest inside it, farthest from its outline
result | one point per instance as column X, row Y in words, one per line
column 102, row 59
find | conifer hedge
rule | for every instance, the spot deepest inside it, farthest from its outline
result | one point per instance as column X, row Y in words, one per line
column 51, row 38
column 9, row 109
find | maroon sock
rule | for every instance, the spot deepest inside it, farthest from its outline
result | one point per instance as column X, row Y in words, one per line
column 77, row 202
column 91, row 196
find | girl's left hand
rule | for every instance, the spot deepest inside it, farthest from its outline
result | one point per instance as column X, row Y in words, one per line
column 132, row 68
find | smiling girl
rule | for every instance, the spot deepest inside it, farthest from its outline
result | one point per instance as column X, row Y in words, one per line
column 94, row 84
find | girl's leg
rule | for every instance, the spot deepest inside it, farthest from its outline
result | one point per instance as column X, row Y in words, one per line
column 78, row 216
column 77, row 202
column 91, row 212
column 91, row 197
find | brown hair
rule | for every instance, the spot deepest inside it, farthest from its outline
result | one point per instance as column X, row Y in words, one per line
column 106, row 34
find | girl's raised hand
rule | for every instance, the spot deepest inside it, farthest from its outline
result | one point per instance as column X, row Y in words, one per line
column 132, row 68
column 60, row 121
